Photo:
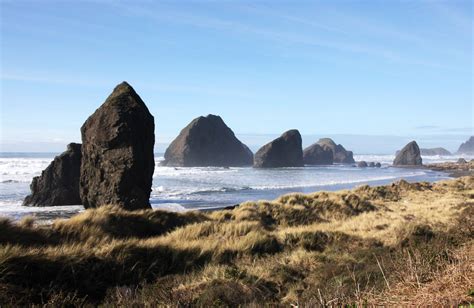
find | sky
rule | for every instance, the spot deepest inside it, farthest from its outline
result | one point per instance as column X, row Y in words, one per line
column 371, row 74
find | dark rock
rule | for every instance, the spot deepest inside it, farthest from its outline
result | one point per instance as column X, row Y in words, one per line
column 284, row 151
column 317, row 155
column 59, row 182
column 435, row 151
column 462, row 161
column 467, row 147
column 378, row 165
column 362, row 164
column 340, row 154
column 372, row 164
column 207, row 141
column 117, row 152
column 408, row 156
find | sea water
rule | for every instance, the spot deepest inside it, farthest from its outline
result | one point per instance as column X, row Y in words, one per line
column 181, row 189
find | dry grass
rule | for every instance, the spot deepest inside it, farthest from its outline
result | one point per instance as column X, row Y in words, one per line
column 396, row 244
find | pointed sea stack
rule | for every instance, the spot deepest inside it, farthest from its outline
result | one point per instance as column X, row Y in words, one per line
column 409, row 156
column 467, row 147
column 317, row 155
column 117, row 152
column 284, row 151
column 340, row 154
column 207, row 141
column 59, row 182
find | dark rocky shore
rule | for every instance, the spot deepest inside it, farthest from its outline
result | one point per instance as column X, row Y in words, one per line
column 454, row 169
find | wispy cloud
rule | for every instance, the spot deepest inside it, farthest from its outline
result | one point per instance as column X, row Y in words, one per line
column 439, row 129
column 107, row 82
column 289, row 38
column 427, row 127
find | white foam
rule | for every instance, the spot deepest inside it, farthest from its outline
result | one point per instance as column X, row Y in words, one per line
column 209, row 186
column 21, row 169
column 387, row 159
column 172, row 207
column 183, row 171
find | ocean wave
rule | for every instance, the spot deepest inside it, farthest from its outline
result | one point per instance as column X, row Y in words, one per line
column 220, row 190
column 173, row 193
column 336, row 182
column 181, row 171
column 14, row 170
column 173, row 207
column 427, row 159
column 162, row 191
column 9, row 181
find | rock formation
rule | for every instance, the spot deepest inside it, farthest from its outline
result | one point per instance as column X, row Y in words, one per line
column 408, row 156
column 317, row 155
column 59, row 182
column 117, row 152
column 362, row 164
column 285, row 151
column 340, row 154
column 435, row 151
column 372, row 164
column 467, row 147
column 207, row 141
column 378, row 165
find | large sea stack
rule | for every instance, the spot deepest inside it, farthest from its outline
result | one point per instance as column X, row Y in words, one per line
column 340, row 154
column 467, row 147
column 117, row 152
column 59, row 182
column 285, row 151
column 317, row 155
column 409, row 156
column 207, row 141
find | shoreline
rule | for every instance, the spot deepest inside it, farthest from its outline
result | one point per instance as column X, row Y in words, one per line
column 282, row 252
column 256, row 194
column 245, row 196
column 453, row 170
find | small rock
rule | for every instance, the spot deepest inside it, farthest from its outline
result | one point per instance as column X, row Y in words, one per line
column 59, row 182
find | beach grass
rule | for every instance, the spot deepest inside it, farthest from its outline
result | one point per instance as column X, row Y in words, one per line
column 396, row 244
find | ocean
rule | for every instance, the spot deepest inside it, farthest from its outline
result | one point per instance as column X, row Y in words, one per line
column 181, row 189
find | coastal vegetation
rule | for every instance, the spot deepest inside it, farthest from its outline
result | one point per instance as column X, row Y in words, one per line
column 395, row 244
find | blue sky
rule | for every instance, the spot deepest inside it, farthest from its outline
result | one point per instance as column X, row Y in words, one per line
column 386, row 71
